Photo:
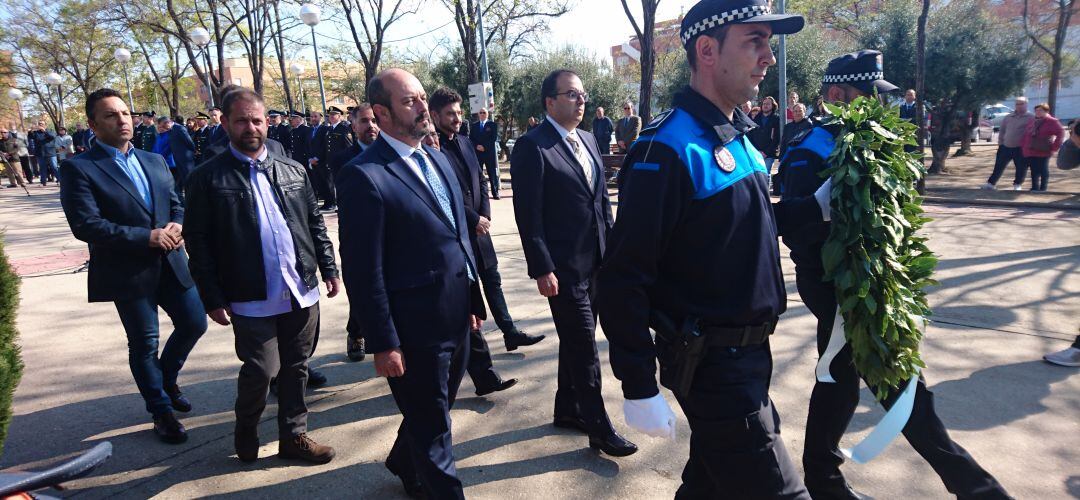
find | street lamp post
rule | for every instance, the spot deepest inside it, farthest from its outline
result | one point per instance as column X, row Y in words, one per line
column 54, row 79
column 123, row 55
column 201, row 37
column 298, row 70
column 309, row 13
column 17, row 95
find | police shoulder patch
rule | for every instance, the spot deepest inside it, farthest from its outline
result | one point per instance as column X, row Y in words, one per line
column 656, row 122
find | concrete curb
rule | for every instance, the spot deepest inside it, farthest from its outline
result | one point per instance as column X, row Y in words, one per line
column 948, row 200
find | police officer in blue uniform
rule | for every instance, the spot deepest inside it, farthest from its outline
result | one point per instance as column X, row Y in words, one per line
column 832, row 405
column 694, row 255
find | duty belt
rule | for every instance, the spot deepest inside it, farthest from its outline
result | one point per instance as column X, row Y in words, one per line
column 726, row 336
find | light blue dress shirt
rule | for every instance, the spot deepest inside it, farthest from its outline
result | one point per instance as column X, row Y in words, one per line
column 129, row 164
column 283, row 282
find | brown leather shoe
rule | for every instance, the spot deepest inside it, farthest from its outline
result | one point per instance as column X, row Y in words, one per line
column 304, row 448
column 246, row 441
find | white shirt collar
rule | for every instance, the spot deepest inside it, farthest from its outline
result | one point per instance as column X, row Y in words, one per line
column 403, row 150
column 559, row 128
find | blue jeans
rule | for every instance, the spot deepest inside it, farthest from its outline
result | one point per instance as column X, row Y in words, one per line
column 140, row 320
column 48, row 166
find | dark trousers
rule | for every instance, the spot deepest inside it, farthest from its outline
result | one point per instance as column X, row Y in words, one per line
column 491, row 166
column 34, row 166
column 179, row 175
column 28, row 172
column 1076, row 343
column 833, row 405
column 1001, row 161
column 735, row 447
column 425, row 394
column 49, row 169
column 480, row 366
column 140, row 319
column 605, row 146
column 323, row 182
column 280, row 346
column 492, row 283
column 352, row 328
column 1040, row 172
column 578, row 393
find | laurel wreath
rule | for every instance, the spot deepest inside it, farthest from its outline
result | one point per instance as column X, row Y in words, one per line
column 879, row 264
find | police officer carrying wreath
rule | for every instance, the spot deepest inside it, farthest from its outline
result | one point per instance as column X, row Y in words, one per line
column 694, row 255
column 832, row 405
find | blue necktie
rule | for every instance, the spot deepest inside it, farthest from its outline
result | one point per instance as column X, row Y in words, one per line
column 439, row 190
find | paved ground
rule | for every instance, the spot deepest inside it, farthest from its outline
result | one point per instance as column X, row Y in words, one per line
column 1010, row 291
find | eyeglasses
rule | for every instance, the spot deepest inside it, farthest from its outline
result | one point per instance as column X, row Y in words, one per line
column 627, row 107
column 573, row 95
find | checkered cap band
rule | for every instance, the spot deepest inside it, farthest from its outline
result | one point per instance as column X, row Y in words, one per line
column 722, row 19
column 857, row 77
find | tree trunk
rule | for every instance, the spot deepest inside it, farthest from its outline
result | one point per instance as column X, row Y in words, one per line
column 279, row 48
column 940, row 139
column 648, row 59
column 920, row 87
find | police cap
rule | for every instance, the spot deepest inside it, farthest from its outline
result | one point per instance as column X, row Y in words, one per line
column 297, row 114
column 148, row 114
column 334, row 109
column 862, row 70
column 709, row 14
column 273, row 112
column 202, row 116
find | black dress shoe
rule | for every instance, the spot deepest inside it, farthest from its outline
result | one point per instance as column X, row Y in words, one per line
column 575, row 423
column 316, row 379
column 412, row 485
column 179, row 402
column 520, row 339
column 501, row 386
column 354, row 348
column 612, row 444
column 246, row 442
column 169, row 429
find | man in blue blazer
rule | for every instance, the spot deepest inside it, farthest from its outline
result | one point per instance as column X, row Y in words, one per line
column 563, row 216
column 411, row 278
column 484, row 134
column 183, row 153
column 121, row 201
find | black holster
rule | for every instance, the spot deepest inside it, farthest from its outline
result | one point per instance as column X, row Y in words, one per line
column 679, row 348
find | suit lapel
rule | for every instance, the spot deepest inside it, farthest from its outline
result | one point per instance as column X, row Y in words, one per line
column 571, row 160
column 597, row 161
column 107, row 165
column 397, row 167
column 159, row 197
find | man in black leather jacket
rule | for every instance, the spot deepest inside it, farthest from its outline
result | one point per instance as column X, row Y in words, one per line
column 256, row 241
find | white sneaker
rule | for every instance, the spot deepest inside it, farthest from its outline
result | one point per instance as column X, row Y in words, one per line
column 1017, row 187
column 1068, row 357
column 988, row 187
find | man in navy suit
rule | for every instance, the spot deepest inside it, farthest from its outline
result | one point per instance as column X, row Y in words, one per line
column 121, row 201
column 563, row 216
column 183, row 153
column 411, row 278
column 484, row 133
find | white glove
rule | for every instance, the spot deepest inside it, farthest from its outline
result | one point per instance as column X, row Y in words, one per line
column 651, row 416
column 822, row 196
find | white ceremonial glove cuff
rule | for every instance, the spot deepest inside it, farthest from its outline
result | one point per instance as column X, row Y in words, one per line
column 651, row 416
column 822, row 196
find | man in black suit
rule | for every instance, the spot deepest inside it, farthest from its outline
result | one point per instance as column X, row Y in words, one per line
column 364, row 128
column 445, row 106
column 333, row 137
column 563, row 216
column 411, row 278
column 214, row 130
column 484, row 133
column 120, row 200
column 199, row 137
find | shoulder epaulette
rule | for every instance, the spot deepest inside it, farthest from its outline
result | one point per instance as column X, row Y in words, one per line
column 656, row 122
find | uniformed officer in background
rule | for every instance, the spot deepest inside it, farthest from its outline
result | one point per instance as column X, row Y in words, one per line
column 145, row 134
column 278, row 130
column 300, row 138
column 199, row 137
column 832, row 405
column 334, row 136
column 694, row 255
